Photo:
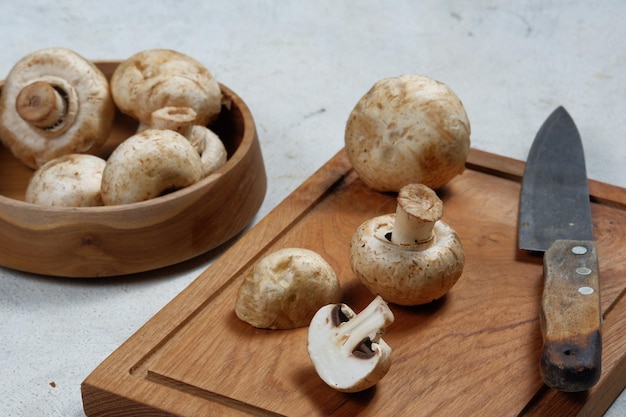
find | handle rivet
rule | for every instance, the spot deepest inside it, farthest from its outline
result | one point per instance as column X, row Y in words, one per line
column 583, row 270
column 585, row 290
column 579, row 250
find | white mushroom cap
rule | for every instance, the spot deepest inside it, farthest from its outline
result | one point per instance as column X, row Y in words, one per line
column 181, row 119
column 346, row 348
column 416, row 269
column 285, row 288
column 408, row 129
column 68, row 181
column 54, row 102
column 149, row 164
column 157, row 78
column 211, row 149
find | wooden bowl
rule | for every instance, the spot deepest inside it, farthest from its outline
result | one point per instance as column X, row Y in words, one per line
column 125, row 239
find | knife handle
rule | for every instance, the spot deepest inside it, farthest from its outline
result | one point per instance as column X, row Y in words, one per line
column 571, row 317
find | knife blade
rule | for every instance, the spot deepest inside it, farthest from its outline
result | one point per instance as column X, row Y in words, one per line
column 555, row 218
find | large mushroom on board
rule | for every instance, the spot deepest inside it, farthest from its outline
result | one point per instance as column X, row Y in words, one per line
column 157, row 78
column 408, row 129
column 285, row 288
column 346, row 348
column 67, row 181
column 149, row 164
column 409, row 257
column 54, row 102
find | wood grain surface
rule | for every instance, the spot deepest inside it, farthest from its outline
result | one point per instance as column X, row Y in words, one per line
column 474, row 352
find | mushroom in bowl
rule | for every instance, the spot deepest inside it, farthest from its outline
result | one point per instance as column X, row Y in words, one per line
column 166, row 89
column 123, row 239
column 149, row 164
column 67, row 181
column 54, row 102
column 408, row 129
column 155, row 78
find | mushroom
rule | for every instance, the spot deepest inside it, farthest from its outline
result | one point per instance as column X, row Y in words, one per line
column 285, row 288
column 54, row 102
column 68, row 181
column 181, row 119
column 346, row 348
column 408, row 129
column 212, row 151
column 149, row 164
column 410, row 257
column 157, row 78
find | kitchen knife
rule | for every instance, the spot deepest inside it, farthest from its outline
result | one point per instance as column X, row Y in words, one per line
column 555, row 218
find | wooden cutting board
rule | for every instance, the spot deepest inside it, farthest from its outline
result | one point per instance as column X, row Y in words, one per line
column 473, row 353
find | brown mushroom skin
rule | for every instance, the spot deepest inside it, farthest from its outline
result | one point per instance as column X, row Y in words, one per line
column 406, row 274
column 152, row 79
column 408, row 129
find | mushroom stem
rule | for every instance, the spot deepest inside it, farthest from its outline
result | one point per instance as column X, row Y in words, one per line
column 368, row 324
column 178, row 119
column 41, row 105
column 417, row 211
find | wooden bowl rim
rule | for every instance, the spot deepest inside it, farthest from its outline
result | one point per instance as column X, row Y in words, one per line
column 248, row 138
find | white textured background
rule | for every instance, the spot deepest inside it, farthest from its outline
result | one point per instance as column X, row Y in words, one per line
column 301, row 67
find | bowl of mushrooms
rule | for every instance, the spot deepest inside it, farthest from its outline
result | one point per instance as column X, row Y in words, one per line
column 114, row 168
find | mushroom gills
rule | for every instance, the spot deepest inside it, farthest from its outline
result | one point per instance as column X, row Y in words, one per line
column 346, row 348
column 364, row 349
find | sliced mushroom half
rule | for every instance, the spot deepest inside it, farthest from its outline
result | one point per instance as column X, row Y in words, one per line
column 346, row 348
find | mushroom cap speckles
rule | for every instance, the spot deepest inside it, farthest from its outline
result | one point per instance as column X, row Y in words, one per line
column 67, row 181
column 149, row 164
column 408, row 129
column 406, row 274
column 285, row 288
column 157, row 78
column 89, row 114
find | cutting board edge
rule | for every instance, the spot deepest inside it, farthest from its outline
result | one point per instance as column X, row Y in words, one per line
column 129, row 354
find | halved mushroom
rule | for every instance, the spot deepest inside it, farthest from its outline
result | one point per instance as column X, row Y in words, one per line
column 149, row 164
column 410, row 257
column 285, row 288
column 68, row 181
column 346, row 348
column 54, row 102
column 157, row 78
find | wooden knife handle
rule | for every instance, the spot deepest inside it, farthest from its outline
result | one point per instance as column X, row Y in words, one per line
column 571, row 318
